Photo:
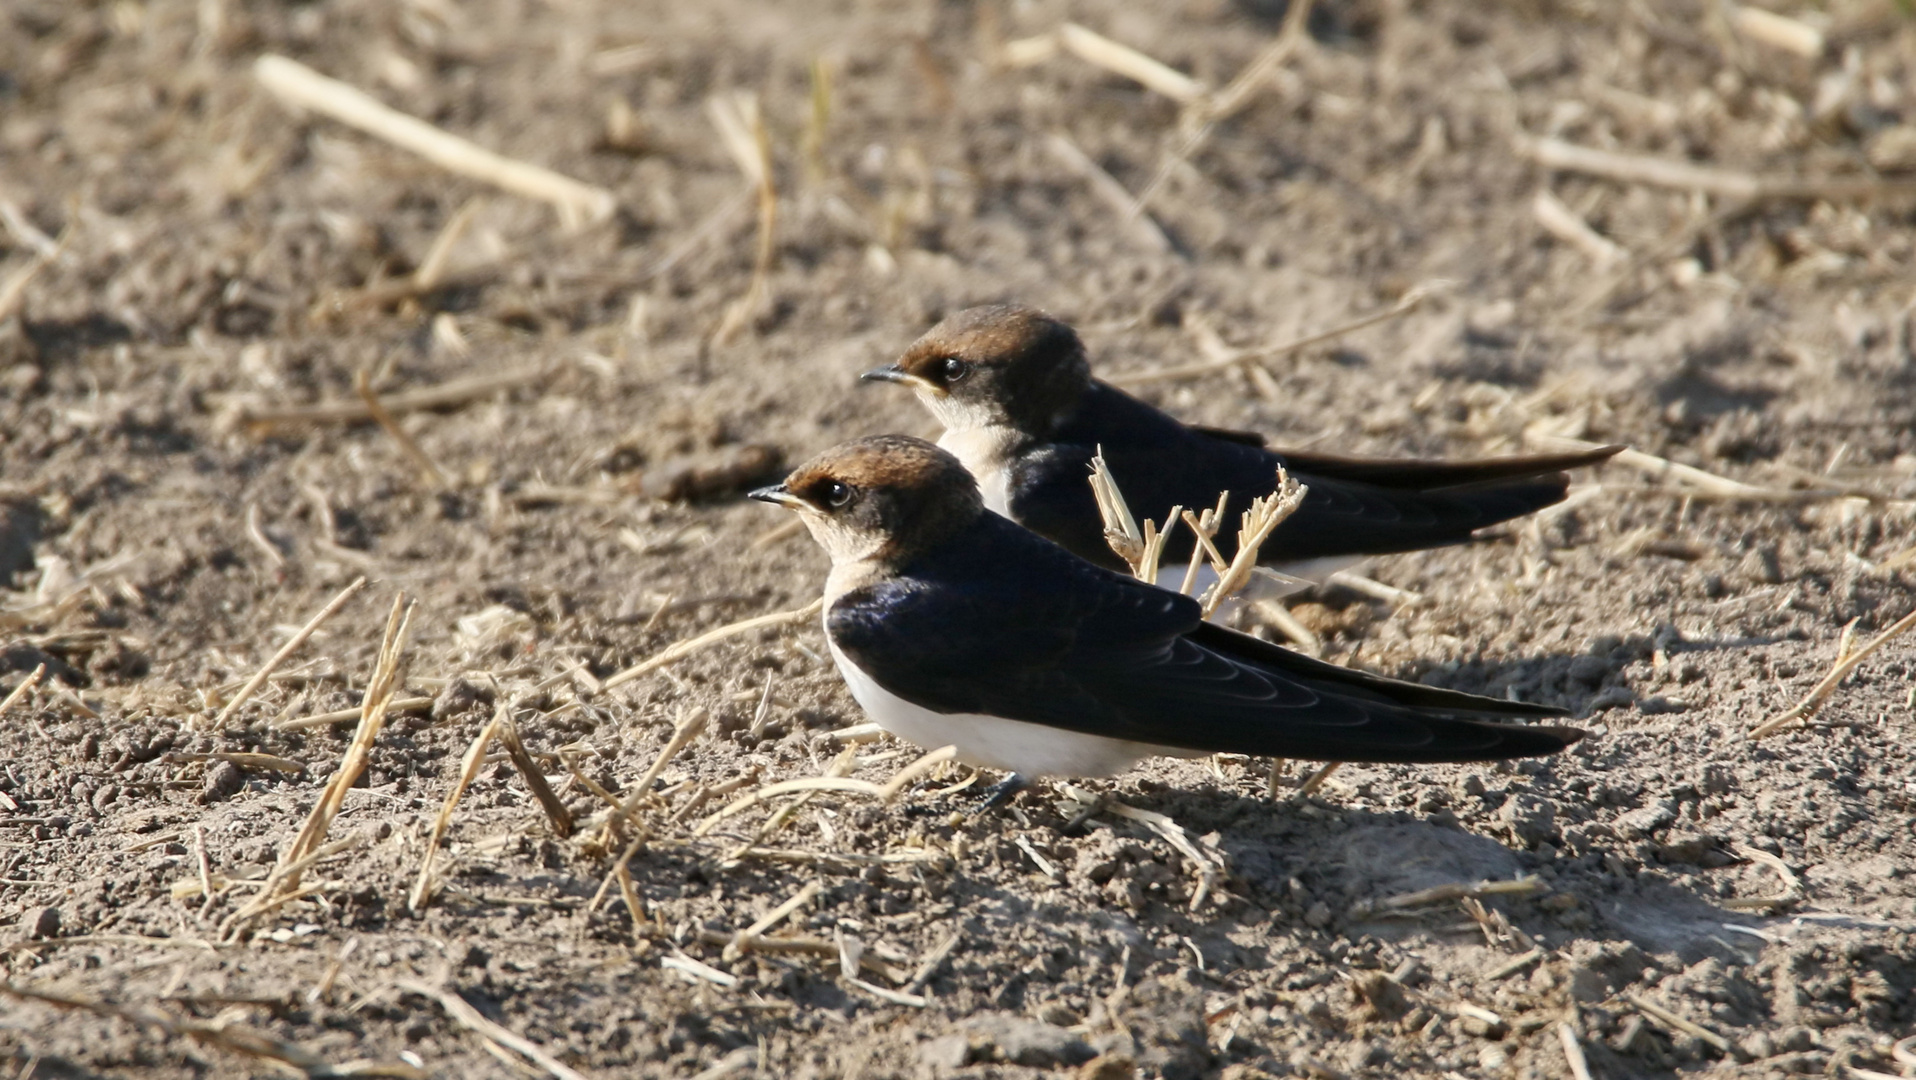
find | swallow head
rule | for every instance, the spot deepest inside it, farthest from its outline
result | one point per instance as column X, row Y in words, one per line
column 887, row 497
column 1001, row 365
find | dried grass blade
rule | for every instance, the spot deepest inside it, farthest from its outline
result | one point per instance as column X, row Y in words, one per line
column 293, row 82
column 1411, row 302
column 363, row 386
column 469, row 766
column 680, row 650
column 462, row 1011
column 1153, row 74
column 24, row 688
column 535, row 779
column 292, row 645
column 1821, row 692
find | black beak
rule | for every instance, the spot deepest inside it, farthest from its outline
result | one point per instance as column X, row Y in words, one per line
column 888, row 373
column 777, row 495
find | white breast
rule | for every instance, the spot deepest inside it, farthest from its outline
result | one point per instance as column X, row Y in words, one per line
column 985, row 453
column 1030, row 750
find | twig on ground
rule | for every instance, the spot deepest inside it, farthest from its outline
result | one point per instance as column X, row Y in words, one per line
column 578, row 204
column 453, row 392
column 1663, row 468
column 1677, row 1023
column 24, row 688
column 402, row 705
column 1663, row 172
column 693, row 969
column 842, row 765
column 1820, row 693
column 1411, row 302
column 1315, row 781
column 1280, row 617
column 1376, row 590
column 1204, row 114
column 1140, row 228
column 463, row 1011
column 687, row 729
column 742, row 129
column 1442, row 893
column 1208, row 868
column 535, row 779
column 1573, row 1051
column 747, row 938
column 1564, row 223
column 363, row 386
column 469, row 766
column 1777, row 31
column 681, row 650
column 292, row 645
column 885, row 792
column 432, row 269
column 1094, row 48
column 1792, row 885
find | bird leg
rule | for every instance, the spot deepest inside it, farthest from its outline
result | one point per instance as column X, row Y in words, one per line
column 1001, row 793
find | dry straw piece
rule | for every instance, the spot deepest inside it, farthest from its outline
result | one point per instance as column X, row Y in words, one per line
column 462, row 1011
column 1682, row 176
column 1094, row 48
column 282, row 883
column 578, row 204
column 884, row 792
column 468, row 769
column 24, row 688
column 683, row 649
column 292, row 645
column 445, row 395
column 1208, row 868
column 1845, row 664
column 363, row 386
column 1411, row 301
column 742, row 129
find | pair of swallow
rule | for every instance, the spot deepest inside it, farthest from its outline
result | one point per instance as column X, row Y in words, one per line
column 972, row 599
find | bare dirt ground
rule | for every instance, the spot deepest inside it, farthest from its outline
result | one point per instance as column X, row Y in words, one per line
column 1688, row 900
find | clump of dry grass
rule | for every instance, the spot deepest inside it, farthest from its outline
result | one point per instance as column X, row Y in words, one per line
column 308, row 847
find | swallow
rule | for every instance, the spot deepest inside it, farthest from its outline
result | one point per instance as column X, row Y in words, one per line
column 1014, row 391
column 952, row 625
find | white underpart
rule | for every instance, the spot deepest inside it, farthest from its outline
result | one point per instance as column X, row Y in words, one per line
column 985, row 452
column 1030, row 750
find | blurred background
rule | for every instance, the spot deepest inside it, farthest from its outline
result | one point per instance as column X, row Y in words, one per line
column 503, row 302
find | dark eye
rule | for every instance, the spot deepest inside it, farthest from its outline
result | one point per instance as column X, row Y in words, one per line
column 836, row 494
column 954, row 370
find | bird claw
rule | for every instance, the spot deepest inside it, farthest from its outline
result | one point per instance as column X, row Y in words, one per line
column 1001, row 793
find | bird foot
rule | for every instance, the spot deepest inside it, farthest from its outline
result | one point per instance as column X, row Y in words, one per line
column 1001, row 793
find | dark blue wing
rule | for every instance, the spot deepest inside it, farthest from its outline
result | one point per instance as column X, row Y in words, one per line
column 1356, row 506
column 1002, row 623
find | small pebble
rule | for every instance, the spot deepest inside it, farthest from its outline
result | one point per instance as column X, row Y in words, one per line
column 223, row 781
column 42, row 922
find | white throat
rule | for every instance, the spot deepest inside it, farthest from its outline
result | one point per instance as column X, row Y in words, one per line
column 985, row 452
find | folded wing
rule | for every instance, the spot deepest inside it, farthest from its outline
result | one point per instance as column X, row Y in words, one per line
column 1008, row 625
